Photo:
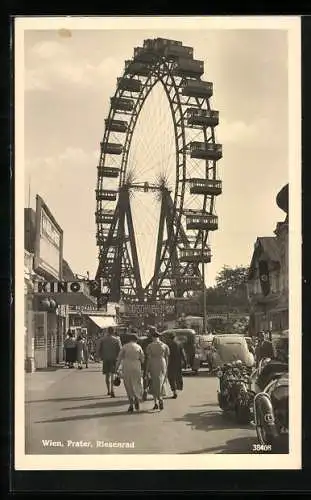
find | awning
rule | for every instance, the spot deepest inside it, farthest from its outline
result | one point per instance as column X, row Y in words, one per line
column 103, row 321
column 69, row 299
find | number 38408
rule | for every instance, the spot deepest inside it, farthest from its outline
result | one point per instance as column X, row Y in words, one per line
column 262, row 447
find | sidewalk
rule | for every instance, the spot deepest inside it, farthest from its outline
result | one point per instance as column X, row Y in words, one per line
column 42, row 380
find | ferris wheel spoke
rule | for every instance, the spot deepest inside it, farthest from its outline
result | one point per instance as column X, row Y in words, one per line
column 155, row 159
column 145, row 231
column 161, row 129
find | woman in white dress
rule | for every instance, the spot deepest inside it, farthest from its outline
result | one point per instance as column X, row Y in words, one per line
column 131, row 357
column 157, row 360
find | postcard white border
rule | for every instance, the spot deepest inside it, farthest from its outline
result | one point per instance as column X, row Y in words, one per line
column 164, row 461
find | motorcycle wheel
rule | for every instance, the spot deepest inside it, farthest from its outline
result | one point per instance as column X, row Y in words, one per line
column 242, row 414
column 264, row 437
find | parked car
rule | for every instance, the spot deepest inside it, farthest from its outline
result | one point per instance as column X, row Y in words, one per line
column 205, row 346
column 228, row 348
column 250, row 344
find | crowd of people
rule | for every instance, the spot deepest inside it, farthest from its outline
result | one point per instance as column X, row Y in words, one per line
column 263, row 347
column 76, row 350
column 147, row 368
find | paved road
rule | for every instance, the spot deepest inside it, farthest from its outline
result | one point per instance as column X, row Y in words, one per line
column 69, row 406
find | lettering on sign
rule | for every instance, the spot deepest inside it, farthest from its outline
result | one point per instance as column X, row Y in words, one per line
column 59, row 287
column 86, row 308
column 48, row 230
column 149, row 308
column 69, row 286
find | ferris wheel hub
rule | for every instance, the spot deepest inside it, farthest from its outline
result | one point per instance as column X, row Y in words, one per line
column 146, row 187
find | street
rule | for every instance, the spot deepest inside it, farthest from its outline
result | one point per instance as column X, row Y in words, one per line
column 68, row 411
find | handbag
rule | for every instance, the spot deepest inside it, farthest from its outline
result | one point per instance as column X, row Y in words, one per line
column 116, row 381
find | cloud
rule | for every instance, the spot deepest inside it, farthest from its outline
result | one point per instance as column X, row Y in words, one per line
column 76, row 155
column 67, row 183
column 34, row 80
column 261, row 133
column 52, row 65
column 47, row 50
column 68, row 161
column 239, row 131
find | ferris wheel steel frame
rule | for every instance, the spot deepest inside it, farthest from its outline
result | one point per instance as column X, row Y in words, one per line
column 115, row 263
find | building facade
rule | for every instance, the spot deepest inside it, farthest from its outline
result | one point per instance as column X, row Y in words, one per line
column 46, row 314
column 268, row 277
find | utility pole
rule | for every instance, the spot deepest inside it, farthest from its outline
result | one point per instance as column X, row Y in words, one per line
column 204, row 288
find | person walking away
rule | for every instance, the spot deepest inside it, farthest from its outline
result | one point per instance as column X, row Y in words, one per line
column 176, row 361
column 96, row 342
column 144, row 346
column 157, row 361
column 264, row 348
column 80, row 351
column 85, row 350
column 109, row 347
column 70, row 348
column 64, row 349
column 131, row 357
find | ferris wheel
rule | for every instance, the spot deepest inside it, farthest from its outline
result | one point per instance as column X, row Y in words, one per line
column 157, row 177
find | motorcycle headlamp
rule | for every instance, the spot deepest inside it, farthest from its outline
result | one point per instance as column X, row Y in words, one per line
column 219, row 374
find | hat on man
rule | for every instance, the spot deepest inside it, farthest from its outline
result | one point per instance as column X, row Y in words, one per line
column 153, row 332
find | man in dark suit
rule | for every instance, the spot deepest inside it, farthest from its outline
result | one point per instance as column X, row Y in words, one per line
column 176, row 361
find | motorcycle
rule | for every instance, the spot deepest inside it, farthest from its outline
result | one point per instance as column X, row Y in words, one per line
column 271, row 407
column 234, row 394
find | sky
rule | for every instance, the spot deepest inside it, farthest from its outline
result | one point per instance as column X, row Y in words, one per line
column 68, row 85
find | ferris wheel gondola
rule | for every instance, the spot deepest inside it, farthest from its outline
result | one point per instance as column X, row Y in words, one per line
column 186, row 195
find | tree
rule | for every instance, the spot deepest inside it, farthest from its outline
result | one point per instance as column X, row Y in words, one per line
column 230, row 291
column 232, row 280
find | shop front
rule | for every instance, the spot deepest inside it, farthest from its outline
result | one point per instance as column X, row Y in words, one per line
column 29, row 354
column 52, row 319
column 50, row 288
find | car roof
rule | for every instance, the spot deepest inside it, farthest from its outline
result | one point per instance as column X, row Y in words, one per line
column 230, row 337
column 179, row 330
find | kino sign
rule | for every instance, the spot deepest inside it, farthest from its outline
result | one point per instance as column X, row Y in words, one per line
column 69, row 286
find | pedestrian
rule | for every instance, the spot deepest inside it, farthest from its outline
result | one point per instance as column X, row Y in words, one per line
column 96, row 342
column 85, row 350
column 146, row 381
column 108, row 350
column 157, row 361
column 132, row 357
column 264, row 348
column 176, row 361
column 80, row 351
column 70, row 348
